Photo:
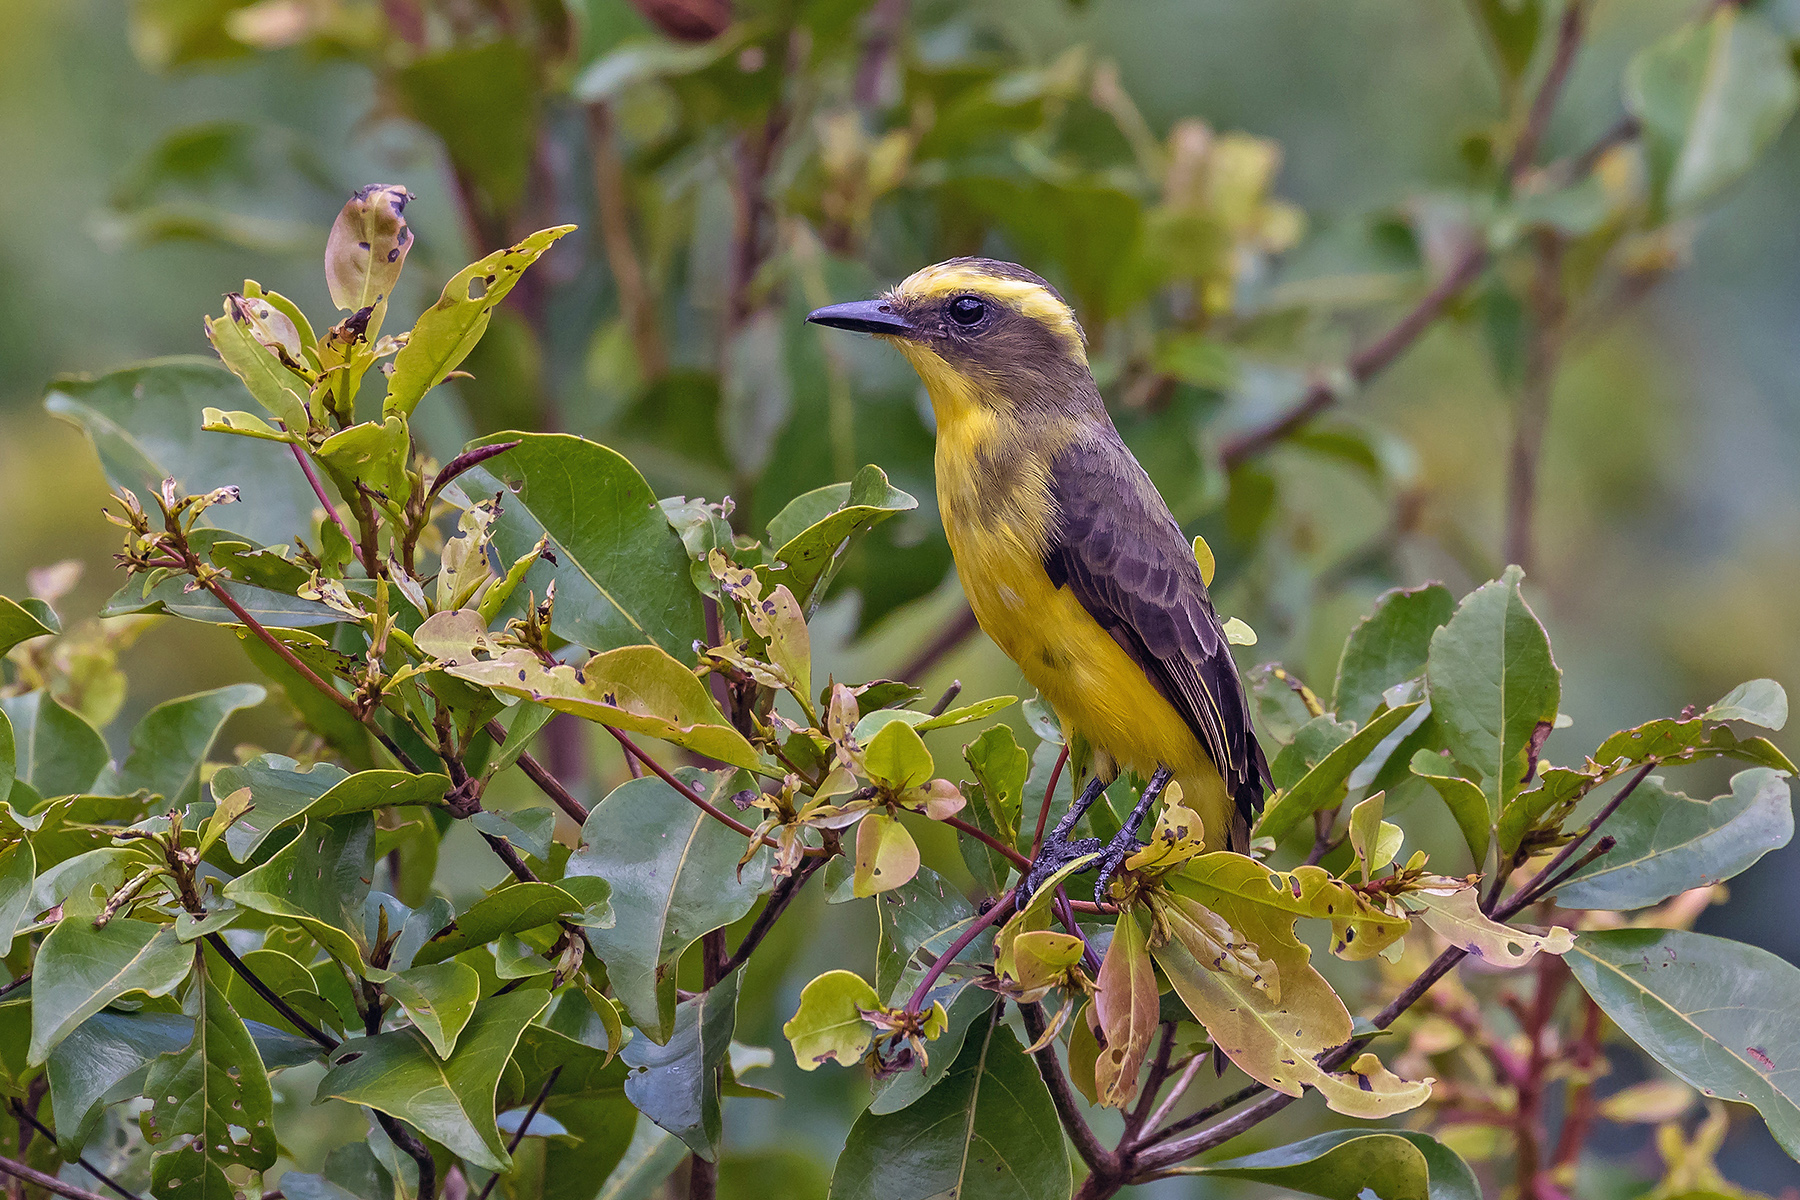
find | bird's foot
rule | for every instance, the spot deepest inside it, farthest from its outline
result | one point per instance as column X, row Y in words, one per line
column 1055, row 854
column 1112, row 859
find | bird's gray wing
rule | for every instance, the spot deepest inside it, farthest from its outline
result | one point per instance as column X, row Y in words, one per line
column 1120, row 552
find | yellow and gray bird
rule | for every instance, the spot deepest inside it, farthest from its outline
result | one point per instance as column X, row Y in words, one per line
column 1067, row 553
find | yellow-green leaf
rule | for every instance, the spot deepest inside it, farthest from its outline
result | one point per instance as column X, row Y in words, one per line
column 1454, row 913
column 829, row 1023
column 886, row 855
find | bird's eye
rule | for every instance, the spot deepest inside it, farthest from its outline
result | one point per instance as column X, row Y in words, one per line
column 967, row 310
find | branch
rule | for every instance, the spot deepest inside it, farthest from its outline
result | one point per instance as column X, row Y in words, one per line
column 24, row 1114
column 519, row 1134
column 1365, row 364
column 10, row 984
column 1013, row 856
column 695, row 798
column 992, row 916
column 1568, row 40
column 960, row 629
column 540, row 775
column 49, row 1183
column 1037, row 839
column 509, row 855
column 267, row 993
column 318, row 487
column 1099, row 1159
column 414, row 1149
column 779, row 899
column 1547, row 879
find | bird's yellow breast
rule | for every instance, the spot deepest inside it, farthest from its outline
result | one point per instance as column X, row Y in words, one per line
column 993, row 480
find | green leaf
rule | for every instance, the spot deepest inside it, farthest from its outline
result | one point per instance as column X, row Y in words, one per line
column 1668, row 842
column 282, row 793
column 145, row 423
column 18, row 867
column 1760, row 702
column 886, row 855
column 1511, row 28
column 1375, row 841
column 22, row 620
column 169, row 745
column 372, row 452
column 319, row 879
column 1715, row 1012
column 640, row 689
column 367, row 248
column 1389, row 646
column 510, row 909
column 987, row 1131
column 897, row 758
column 213, row 1098
column 1391, row 1164
column 811, row 534
column 621, row 571
column 1712, row 96
column 1492, row 683
column 996, row 801
column 440, row 999
column 450, row 1100
column 279, row 390
column 1325, row 784
column 79, row 970
column 449, row 329
column 829, row 1023
column 1463, row 798
column 1674, row 741
column 910, row 916
column 288, row 979
column 677, row 1084
column 649, row 1160
column 55, row 750
column 674, row 875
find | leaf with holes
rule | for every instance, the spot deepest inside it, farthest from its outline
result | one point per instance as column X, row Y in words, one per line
column 449, row 329
column 987, row 1131
column 1127, row 1005
column 450, row 1100
column 211, row 1109
column 1452, row 910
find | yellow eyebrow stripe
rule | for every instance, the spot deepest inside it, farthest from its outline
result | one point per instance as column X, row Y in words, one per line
column 1031, row 299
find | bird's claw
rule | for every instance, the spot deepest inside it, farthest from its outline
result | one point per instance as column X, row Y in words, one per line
column 1118, row 850
column 1053, row 856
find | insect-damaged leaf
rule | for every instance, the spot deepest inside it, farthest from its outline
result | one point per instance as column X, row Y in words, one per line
column 1454, row 913
column 1275, row 1029
column 987, row 1131
column 211, row 1112
column 449, row 329
column 636, row 688
column 367, row 248
column 1127, row 1005
column 829, row 1022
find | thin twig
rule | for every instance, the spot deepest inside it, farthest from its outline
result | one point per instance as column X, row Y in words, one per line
column 695, row 798
column 24, row 1114
column 950, row 694
column 414, row 1149
column 1202, row 1115
column 955, row 632
column 519, row 1134
column 1366, row 363
column 779, row 899
column 1546, row 879
column 1037, row 839
column 1543, row 104
column 1184, row 1081
column 10, row 984
column 1543, row 352
column 1012, row 855
column 1002, row 907
column 612, row 199
column 540, row 775
column 267, row 993
column 509, row 855
column 1099, row 1159
column 318, row 487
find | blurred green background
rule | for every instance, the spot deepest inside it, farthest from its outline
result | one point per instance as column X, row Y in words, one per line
column 145, row 175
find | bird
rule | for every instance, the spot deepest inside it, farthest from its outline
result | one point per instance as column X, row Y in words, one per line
column 1067, row 553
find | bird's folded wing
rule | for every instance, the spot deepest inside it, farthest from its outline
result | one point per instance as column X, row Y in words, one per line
column 1120, row 552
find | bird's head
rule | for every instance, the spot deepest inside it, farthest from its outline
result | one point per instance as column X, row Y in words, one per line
column 983, row 333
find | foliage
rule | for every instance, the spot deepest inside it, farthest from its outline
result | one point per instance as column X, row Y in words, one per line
column 180, row 929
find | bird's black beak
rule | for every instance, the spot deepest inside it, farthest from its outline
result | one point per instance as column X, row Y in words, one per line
column 863, row 316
